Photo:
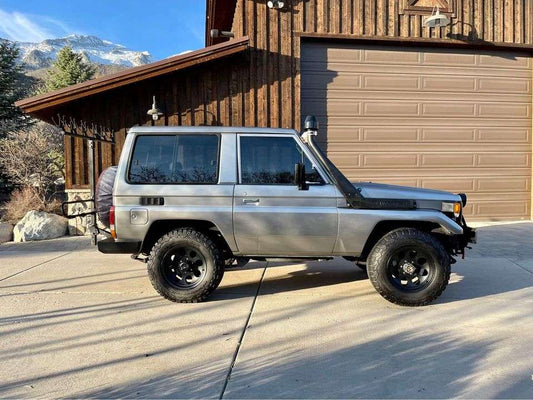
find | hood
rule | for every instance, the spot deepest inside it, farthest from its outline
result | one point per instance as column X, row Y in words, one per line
column 382, row 191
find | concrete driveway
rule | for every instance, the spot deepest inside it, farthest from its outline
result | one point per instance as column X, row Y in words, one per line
column 76, row 323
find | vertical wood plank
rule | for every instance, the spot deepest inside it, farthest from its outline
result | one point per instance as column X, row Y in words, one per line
column 274, row 67
column 508, row 34
column 381, row 17
column 284, row 95
column 298, row 24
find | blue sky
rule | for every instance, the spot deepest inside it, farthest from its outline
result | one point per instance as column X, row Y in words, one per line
column 162, row 27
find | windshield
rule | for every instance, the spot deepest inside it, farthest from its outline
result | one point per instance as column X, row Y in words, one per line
column 352, row 195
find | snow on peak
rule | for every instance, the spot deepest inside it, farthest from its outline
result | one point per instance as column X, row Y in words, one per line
column 99, row 51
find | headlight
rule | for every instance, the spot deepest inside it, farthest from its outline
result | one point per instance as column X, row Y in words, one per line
column 454, row 208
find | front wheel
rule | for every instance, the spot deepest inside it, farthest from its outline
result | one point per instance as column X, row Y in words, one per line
column 185, row 266
column 409, row 267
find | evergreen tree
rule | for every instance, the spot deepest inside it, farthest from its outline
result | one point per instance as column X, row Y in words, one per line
column 68, row 69
column 12, row 88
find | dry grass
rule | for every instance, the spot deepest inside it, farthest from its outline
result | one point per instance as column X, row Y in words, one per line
column 24, row 200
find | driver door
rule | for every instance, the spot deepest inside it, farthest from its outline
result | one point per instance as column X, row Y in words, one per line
column 271, row 215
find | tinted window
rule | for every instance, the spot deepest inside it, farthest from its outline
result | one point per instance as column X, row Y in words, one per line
column 271, row 160
column 175, row 159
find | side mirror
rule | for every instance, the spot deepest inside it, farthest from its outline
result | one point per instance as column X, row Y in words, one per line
column 299, row 176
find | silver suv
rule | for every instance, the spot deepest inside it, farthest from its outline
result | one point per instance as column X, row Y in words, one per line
column 193, row 201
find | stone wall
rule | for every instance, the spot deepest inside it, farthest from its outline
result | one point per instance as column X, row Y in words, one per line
column 78, row 226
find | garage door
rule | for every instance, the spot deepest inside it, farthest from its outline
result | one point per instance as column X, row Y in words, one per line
column 443, row 119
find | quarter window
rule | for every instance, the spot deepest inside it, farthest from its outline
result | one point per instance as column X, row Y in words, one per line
column 174, row 159
column 271, row 160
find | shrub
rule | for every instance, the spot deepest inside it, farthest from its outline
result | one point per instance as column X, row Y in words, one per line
column 27, row 199
column 33, row 158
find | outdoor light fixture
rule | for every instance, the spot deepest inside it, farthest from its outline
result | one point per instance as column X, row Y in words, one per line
column 276, row 4
column 216, row 33
column 154, row 111
column 437, row 20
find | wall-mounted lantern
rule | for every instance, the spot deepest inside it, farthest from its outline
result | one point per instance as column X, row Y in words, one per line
column 276, row 4
column 437, row 20
column 154, row 111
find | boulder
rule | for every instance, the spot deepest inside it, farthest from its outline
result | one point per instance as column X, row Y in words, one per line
column 39, row 225
column 6, row 232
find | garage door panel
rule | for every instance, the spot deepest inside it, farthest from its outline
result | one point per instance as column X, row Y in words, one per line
column 504, row 86
column 449, row 108
column 496, row 110
column 504, row 60
column 387, row 135
column 397, row 83
column 445, row 119
column 383, row 56
column 504, row 184
column 390, row 109
column 449, row 58
column 448, row 84
column 506, row 135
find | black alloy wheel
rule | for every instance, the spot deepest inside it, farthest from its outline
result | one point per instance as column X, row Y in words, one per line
column 184, row 267
column 411, row 268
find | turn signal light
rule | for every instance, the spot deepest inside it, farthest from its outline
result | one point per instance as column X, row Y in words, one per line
column 112, row 222
column 457, row 210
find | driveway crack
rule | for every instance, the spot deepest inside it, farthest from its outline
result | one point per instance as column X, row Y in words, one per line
column 35, row 266
column 243, row 333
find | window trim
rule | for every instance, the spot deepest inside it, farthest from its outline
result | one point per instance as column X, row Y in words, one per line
column 217, row 177
column 300, row 145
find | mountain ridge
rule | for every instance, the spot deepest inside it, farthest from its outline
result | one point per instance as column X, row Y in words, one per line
column 39, row 55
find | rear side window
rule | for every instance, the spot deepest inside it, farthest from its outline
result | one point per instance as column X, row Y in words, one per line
column 174, row 159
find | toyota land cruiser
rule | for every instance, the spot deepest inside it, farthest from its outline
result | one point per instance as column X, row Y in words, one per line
column 190, row 201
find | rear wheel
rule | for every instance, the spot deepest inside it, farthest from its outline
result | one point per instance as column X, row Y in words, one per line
column 409, row 267
column 185, row 266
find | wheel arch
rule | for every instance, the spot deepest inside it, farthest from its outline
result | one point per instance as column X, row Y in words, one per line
column 161, row 227
column 384, row 227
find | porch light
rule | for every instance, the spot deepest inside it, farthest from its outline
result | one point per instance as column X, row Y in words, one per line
column 276, row 4
column 154, row 111
column 437, row 20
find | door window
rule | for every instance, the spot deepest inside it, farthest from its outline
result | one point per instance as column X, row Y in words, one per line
column 270, row 160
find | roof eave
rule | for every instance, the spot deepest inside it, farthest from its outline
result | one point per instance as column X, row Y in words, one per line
column 113, row 81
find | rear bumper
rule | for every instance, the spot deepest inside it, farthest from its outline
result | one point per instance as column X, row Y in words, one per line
column 110, row 246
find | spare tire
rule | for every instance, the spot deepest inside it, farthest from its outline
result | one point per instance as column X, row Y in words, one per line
column 103, row 195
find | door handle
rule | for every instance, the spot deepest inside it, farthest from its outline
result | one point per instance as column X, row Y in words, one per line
column 250, row 201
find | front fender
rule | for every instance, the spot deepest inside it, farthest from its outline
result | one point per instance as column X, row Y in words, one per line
column 356, row 225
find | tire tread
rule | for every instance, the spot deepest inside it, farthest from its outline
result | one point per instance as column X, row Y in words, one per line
column 204, row 240
column 378, row 254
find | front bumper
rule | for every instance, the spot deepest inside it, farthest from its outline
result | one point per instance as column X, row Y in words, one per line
column 110, row 246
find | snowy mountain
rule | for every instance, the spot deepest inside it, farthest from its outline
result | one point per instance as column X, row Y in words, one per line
column 92, row 48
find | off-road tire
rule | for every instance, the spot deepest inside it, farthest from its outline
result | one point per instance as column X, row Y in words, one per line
column 378, row 259
column 204, row 245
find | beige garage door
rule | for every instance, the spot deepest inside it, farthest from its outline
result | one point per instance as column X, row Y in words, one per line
column 444, row 119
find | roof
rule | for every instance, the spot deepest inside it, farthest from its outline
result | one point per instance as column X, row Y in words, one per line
column 132, row 75
column 208, row 130
column 218, row 15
